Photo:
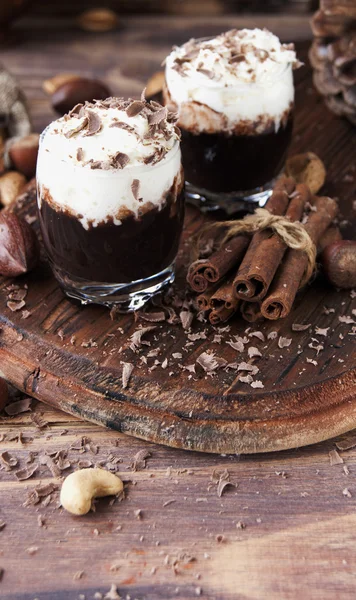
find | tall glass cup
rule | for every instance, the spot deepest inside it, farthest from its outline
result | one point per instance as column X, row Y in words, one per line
column 235, row 136
column 111, row 236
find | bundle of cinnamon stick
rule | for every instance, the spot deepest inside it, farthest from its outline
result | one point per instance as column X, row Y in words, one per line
column 258, row 274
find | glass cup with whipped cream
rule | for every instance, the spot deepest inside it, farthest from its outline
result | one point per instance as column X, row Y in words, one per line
column 111, row 200
column 234, row 95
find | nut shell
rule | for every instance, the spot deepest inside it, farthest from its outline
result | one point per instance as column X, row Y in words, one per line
column 23, row 154
column 339, row 263
column 78, row 91
column 11, row 184
column 19, row 248
column 307, row 168
column 49, row 86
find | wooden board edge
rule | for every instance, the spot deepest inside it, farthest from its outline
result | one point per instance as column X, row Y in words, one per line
column 218, row 436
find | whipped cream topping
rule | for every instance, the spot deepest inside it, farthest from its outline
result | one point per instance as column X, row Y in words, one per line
column 108, row 159
column 112, row 134
column 243, row 75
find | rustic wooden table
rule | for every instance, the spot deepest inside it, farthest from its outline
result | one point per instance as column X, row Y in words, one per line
column 282, row 530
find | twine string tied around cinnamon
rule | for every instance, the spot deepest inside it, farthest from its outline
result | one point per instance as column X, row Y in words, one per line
column 293, row 234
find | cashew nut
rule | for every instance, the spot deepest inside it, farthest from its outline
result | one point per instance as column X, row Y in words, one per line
column 81, row 487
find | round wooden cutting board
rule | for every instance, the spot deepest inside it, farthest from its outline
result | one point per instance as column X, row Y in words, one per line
column 72, row 358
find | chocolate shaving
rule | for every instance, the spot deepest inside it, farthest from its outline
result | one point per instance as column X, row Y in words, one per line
column 206, row 72
column 257, row 384
column 237, row 58
column 159, row 115
column 26, row 472
column 75, row 110
column 152, row 317
column 127, row 369
column 47, row 461
column 335, row 458
column 284, row 342
column 94, row 123
column 252, row 352
column 135, row 108
column 14, row 306
column 300, row 327
column 8, row 460
column 243, row 366
column 347, row 443
column 223, row 481
column 136, row 338
column 80, row 154
column 139, row 460
column 41, row 491
column 210, row 362
column 186, row 317
column 135, row 188
column 83, row 123
column 120, row 159
column 18, row 407
column 124, row 126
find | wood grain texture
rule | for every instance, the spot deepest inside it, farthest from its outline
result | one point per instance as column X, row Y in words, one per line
column 302, row 402
column 298, row 537
column 299, row 540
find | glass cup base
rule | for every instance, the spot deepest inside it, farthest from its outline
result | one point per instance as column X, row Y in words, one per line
column 126, row 297
column 230, row 203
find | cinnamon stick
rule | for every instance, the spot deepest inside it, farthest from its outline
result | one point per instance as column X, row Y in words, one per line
column 202, row 301
column 201, row 273
column 269, row 253
column 285, row 286
column 247, row 286
column 224, row 296
column 221, row 314
column 251, row 311
column 195, row 278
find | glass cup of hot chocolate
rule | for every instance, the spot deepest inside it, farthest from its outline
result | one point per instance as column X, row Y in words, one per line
column 111, row 200
column 234, row 95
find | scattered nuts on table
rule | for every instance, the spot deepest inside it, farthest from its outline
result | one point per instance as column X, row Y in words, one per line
column 11, row 184
column 81, row 487
column 23, row 153
column 339, row 263
column 78, row 91
column 19, row 248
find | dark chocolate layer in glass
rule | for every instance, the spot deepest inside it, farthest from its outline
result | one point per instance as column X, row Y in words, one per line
column 108, row 253
column 232, row 163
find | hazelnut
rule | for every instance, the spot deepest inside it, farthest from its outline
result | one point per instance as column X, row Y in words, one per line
column 23, row 153
column 4, row 394
column 339, row 263
column 19, row 249
column 11, row 184
column 307, row 168
column 78, row 91
column 51, row 85
column 98, row 19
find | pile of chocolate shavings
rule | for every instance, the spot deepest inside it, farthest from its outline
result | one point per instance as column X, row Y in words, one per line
column 231, row 41
column 159, row 121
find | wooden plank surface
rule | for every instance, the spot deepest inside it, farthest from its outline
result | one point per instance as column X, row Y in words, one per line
column 308, row 389
column 299, row 512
